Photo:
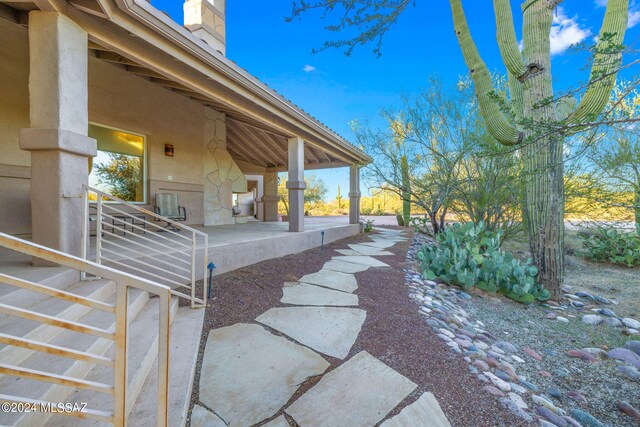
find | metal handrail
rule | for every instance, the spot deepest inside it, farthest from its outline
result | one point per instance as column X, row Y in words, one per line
column 123, row 282
column 136, row 249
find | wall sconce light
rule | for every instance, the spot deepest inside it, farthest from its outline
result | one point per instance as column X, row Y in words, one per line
column 168, row 150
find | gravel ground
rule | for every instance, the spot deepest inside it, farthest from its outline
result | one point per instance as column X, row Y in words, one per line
column 600, row 383
column 393, row 332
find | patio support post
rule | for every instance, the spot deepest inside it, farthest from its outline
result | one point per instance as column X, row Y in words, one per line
column 354, row 194
column 57, row 138
column 296, row 184
column 270, row 198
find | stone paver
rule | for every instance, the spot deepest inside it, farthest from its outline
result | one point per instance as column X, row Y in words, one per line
column 305, row 294
column 381, row 244
column 344, row 267
column 248, row 374
column 347, row 252
column 281, row 421
column 329, row 330
column 360, row 392
column 361, row 260
column 201, row 417
column 332, row 279
column 368, row 250
column 424, row 412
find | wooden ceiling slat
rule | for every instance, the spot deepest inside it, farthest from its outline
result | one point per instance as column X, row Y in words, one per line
column 249, row 157
column 253, row 141
column 263, row 140
column 247, row 148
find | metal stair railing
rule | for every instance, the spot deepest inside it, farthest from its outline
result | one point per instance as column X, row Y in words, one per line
column 146, row 244
column 118, row 335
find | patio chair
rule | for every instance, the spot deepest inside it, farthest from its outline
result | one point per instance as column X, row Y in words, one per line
column 167, row 205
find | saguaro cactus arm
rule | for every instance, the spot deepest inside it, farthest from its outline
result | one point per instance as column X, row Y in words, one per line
column 507, row 41
column 606, row 62
column 497, row 123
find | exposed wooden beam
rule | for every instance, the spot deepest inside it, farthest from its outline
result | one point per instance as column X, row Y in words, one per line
column 9, row 13
column 242, row 142
column 114, row 57
column 264, row 136
column 309, row 150
column 313, row 166
column 250, row 156
column 248, row 136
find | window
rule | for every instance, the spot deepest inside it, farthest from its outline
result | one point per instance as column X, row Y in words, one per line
column 119, row 167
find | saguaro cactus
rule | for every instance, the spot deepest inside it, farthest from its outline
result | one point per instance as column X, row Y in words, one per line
column 531, row 92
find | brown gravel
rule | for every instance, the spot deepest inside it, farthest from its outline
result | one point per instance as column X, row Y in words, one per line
column 393, row 332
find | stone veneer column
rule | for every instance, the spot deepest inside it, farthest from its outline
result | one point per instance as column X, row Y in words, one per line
column 296, row 184
column 222, row 176
column 57, row 138
column 270, row 198
column 354, row 194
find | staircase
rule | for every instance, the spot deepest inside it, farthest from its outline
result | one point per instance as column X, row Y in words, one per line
column 95, row 335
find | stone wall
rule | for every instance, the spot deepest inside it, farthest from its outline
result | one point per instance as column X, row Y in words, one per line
column 222, row 176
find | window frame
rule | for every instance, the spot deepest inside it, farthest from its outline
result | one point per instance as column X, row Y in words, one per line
column 144, row 160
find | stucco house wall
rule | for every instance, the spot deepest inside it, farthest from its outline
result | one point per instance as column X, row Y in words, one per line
column 131, row 103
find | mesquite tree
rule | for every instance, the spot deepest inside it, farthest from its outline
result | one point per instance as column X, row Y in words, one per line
column 533, row 120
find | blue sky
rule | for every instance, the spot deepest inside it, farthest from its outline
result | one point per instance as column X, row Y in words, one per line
column 338, row 89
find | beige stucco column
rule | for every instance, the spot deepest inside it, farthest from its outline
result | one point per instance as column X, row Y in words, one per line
column 57, row 138
column 354, row 194
column 270, row 198
column 296, row 184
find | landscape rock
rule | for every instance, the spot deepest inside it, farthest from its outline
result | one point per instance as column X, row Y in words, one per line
column 532, row 353
column 631, row 323
column 613, row 322
column 583, row 355
column 577, row 396
column 501, row 384
column 508, row 347
column 629, row 410
column 606, row 312
column 555, row 393
column 493, row 391
column 633, row 346
column 630, row 372
column 551, row 416
column 586, row 419
column 625, row 355
column 592, row 319
column 515, row 398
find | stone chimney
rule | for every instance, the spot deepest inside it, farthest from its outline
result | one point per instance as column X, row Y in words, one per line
column 205, row 19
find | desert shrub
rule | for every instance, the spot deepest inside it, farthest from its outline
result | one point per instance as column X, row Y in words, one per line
column 368, row 225
column 420, row 224
column 610, row 244
column 469, row 255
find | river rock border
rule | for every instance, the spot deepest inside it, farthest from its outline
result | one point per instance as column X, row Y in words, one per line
column 492, row 360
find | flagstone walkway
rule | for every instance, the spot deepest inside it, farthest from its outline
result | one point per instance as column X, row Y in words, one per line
column 250, row 371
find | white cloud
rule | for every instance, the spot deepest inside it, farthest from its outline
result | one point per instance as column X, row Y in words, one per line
column 566, row 31
column 634, row 12
column 634, row 18
column 308, row 68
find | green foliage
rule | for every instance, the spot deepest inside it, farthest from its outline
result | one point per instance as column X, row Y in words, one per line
column 123, row 174
column 469, row 255
column 609, row 244
column 420, row 224
column 368, row 226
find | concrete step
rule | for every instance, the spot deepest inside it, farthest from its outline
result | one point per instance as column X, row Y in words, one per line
column 142, row 368
column 98, row 290
column 38, row 390
column 183, row 353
